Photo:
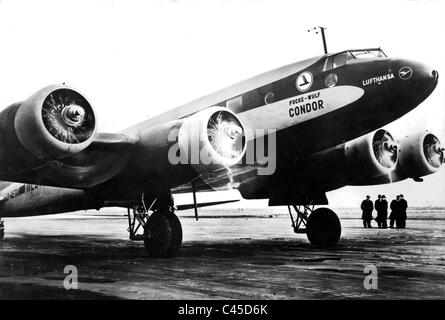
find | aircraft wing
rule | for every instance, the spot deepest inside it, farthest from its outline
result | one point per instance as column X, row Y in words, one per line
column 51, row 139
column 100, row 161
column 203, row 204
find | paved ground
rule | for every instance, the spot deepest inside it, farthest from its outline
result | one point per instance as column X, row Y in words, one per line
column 246, row 257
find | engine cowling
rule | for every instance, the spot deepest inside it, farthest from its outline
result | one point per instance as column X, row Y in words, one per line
column 372, row 155
column 421, row 154
column 212, row 139
column 356, row 162
column 55, row 122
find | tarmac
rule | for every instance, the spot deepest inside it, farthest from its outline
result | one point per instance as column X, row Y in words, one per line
column 223, row 256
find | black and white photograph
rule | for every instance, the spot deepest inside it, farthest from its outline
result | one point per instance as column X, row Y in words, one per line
column 240, row 152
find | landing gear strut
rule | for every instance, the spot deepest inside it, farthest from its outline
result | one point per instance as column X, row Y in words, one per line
column 138, row 218
column 162, row 231
column 322, row 226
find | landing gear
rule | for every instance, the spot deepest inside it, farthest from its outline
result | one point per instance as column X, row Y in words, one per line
column 163, row 234
column 2, row 229
column 176, row 238
column 321, row 225
column 323, row 228
column 162, row 231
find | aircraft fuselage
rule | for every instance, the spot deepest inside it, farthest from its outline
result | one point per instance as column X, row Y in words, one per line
column 312, row 105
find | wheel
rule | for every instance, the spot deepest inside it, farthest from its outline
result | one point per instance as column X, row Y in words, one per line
column 323, row 228
column 176, row 237
column 158, row 235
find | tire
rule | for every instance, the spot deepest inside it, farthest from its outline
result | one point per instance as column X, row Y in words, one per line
column 323, row 228
column 176, row 237
column 160, row 235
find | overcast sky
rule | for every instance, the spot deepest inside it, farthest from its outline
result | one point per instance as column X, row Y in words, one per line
column 135, row 59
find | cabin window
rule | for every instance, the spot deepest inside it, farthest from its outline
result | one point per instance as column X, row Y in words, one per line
column 235, row 103
column 21, row 189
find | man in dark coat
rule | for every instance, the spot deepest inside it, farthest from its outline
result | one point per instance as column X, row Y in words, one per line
column 381, row 206
column 377, row 207
column 401, row 221
column 395, row 211
column 367, row 208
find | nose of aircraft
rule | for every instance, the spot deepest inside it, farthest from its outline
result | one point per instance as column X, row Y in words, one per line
column 416, row 79
column 422, row 73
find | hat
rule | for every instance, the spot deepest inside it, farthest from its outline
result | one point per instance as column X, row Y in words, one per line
column 368, row 197
column 383, row 196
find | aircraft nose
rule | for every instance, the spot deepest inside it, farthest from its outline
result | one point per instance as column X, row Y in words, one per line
column 435, row 75
column 423, row 73
column 416, row 78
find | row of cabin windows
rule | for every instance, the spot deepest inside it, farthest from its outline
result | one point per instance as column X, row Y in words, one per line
column 237, row 102
column 331, row 62
column 22, row 189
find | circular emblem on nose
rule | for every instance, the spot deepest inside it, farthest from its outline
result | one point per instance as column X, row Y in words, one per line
column 331, row 80
column 304, row 81
column 405, row 73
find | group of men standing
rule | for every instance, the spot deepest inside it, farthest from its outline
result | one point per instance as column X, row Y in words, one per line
column 398, row 208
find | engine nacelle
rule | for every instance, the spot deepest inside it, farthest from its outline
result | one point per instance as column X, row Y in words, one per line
column 212, row 139
column 356, row 162
column 421, row 154
column 372, row 155
column 55, row 122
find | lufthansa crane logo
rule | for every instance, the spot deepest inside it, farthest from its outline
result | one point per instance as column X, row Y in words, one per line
column 405, row 73
column 304, row 81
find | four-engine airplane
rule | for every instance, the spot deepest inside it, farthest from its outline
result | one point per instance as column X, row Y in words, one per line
column 318, row 121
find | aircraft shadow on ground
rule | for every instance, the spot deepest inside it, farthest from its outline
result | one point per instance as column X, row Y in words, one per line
column 74, row 249
column 31, row 291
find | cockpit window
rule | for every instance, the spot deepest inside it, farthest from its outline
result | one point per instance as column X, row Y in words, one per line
column 360, row 54
column 336, row 61
column 339, row 60
column 349, row 57
column 346, row 57
column 328, row 63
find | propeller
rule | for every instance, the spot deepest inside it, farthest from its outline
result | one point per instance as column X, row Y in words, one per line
column 68, row 116
column 433, row 150
column 225, row 133
column 385, row 149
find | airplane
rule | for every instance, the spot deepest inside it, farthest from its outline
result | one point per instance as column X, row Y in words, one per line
column 288, row 135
